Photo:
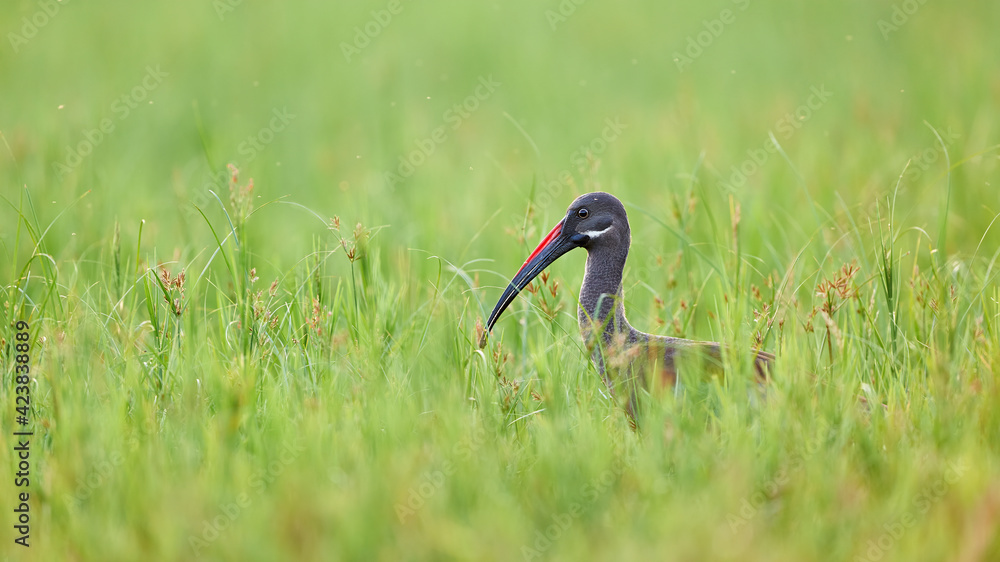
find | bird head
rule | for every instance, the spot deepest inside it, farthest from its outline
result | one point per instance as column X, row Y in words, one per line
column 593, row 221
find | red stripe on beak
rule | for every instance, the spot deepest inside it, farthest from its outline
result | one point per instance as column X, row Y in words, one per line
column 545, row 242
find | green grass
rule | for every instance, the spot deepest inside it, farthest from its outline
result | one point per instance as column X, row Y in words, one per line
column 312, row 388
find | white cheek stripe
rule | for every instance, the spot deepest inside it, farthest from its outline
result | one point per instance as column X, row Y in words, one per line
column 596, row 233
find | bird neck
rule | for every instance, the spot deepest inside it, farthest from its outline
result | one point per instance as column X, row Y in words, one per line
column 601, row 297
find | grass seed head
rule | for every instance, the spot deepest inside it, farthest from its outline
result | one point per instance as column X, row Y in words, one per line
column 480, row 332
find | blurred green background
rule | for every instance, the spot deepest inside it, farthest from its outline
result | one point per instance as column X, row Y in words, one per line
column 228, row 67
column 317, row 102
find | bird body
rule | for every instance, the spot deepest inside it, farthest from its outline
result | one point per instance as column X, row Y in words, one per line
column 627, row 358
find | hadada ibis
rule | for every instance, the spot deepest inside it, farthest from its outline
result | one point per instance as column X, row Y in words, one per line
column 624, row 356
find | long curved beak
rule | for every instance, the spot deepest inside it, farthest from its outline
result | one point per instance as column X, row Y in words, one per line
column 554, row 245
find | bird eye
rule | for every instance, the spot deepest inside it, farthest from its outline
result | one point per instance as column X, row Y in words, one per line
column 583, row 213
